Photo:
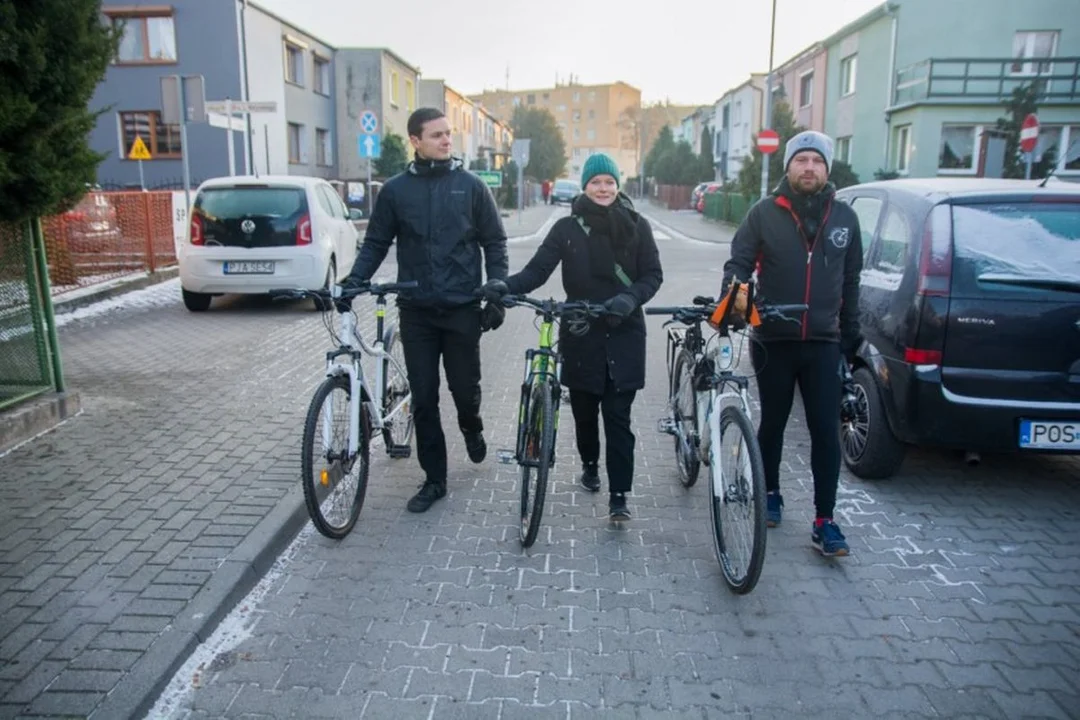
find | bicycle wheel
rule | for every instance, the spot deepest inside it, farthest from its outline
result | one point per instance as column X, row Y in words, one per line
column 539, row 445
column 684, row 418
column 398, row 430
column 334, row 484
column 737, row 504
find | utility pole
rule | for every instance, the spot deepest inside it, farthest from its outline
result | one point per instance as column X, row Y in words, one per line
column 766, row 122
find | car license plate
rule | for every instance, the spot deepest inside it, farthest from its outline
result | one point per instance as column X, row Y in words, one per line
column 1048, row 435
column 250, row 267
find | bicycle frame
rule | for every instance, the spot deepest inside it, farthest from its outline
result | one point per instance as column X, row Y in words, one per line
column 354, row 370
column 544, row 363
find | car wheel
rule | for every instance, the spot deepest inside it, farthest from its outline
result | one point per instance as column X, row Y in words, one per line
column 331, row 278
column 196, row 302
column 870, row 449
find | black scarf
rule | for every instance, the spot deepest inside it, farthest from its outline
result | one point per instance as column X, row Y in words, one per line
column 810, row 209
column 612, row 235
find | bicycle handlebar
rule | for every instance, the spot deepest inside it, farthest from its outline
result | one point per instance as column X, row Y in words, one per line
column 345, row 293
column 554, row 307
column 699, row 311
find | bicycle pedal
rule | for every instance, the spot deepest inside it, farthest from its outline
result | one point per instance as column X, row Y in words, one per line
column 666, row 426
column 399, row 452
column 506, row 457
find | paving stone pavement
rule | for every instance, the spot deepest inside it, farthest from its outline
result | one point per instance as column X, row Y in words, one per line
column 960, row 600
column 687, row 224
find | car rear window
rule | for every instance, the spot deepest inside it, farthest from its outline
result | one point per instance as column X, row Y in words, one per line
column 567, row 185
column 230, row 203
column 1031, row 248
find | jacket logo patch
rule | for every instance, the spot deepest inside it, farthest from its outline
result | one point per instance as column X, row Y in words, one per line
column 840, row 237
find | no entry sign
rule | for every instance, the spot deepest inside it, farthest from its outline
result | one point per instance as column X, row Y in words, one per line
column 768, row 141
column 1029, row 133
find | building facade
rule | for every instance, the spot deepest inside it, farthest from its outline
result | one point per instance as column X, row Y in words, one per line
column 736, row 121
column 801, row 82
column 242, row 52
column 592, row 118
column 907, row 94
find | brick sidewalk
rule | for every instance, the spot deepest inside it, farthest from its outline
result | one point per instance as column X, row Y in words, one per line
column 957, row 601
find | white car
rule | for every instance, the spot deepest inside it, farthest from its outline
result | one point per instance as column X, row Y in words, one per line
column 253, row 234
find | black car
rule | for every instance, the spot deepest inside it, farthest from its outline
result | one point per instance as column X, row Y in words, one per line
column 970, row 308
column 564, row 191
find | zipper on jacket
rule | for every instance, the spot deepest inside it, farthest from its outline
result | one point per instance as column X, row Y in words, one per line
column 809, row 259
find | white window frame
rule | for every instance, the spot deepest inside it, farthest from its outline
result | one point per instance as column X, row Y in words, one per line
column 394, row 88
column 978, row 131
column 297, row 69
column 321, row 73
column 843, row 142
column 1026, row 52
column 802, row 77
column 902, row 131
column 300, row 150
column 327, row 147
column 847, row 82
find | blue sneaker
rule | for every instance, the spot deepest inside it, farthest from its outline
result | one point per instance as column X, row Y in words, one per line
column 774, row 509
column 828, row 539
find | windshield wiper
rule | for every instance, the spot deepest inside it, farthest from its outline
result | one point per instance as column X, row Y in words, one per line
column 1042, row 283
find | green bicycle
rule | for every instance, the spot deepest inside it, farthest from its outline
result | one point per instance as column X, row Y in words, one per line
column 541, row 393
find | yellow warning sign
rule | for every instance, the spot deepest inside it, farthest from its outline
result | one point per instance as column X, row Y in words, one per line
column 138, row 150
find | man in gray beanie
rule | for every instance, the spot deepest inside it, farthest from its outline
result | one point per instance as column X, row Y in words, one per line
column 807, row 250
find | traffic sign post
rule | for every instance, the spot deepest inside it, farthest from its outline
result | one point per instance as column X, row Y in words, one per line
column 229, row 107
column 369, row 145
column 768, row 141
column 1029, row 137
column 183, row 100
column 519, row 151
column 139, row 152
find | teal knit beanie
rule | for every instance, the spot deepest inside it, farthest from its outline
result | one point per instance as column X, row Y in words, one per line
column 599, row 164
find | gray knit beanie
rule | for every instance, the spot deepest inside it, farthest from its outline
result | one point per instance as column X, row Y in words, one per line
column 810, row 140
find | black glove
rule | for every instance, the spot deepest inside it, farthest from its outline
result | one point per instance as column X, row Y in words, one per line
column 495, row 290
column 351, row 285
column 492, row 316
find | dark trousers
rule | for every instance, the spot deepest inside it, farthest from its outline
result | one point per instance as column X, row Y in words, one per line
column 815, row 366
column 453, row 335
column 615, row 407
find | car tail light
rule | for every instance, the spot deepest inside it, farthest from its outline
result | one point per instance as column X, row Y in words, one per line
column 303, row 231
column 917, row 356
column 935, row 258
column 197, row 231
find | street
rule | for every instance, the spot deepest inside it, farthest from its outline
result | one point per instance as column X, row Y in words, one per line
column 130, row 530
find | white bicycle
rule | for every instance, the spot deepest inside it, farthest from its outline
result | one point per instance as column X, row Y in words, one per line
column 711, row 422
column 346, row 410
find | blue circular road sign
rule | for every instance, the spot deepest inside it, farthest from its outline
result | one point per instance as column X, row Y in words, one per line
column 369, row 122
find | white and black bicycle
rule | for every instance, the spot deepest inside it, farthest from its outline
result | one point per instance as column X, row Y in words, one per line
column 347, row 410
column 710, row 420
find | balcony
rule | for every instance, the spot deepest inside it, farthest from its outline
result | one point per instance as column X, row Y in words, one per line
column 986, row 80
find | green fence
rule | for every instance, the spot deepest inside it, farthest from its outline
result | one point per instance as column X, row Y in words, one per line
column 29, row 358
column 728, row 207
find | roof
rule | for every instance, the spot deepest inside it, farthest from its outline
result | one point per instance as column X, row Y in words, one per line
column 294, row 180
column 289, row 23
column 942, row 188
column 882, row 10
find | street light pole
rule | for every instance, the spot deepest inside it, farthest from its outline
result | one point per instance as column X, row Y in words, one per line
column 766, row 121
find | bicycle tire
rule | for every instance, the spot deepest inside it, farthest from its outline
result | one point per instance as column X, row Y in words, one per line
column 393, row 440
column 335, row 470
column 541, row 419
column 686, row 449
column 740, row 580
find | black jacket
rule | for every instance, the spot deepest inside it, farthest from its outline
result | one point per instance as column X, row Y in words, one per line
column 442, row 217
column 619, row 350
column 793, row 268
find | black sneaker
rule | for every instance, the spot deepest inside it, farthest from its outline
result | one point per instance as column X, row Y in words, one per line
column 476, row 447
column 617, row 509
column 774, row 509
column 429, row 493
column 590, row 477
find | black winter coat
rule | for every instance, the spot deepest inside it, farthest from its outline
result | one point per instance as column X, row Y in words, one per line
column 821, row 271
column 442, row 216
column 620, row 350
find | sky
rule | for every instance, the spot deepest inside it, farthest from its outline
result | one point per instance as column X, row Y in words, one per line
column 688, row 52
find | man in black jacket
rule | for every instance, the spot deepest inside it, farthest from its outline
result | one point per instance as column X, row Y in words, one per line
column 448, row 230
column 806, row 249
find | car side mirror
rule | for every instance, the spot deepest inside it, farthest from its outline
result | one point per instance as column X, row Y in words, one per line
column 355, row 214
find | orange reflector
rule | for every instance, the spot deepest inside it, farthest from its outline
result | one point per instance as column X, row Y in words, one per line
column 324, row 477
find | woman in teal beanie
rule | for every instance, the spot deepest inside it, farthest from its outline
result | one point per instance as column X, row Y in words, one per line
column 608, row 255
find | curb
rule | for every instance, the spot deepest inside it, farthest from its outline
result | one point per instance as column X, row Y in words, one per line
column 36, row 416
column 63, row 305
column 136, row 693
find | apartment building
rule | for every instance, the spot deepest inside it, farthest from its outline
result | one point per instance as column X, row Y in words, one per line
column 693, row 125
column 736, row 121
column 592, row 118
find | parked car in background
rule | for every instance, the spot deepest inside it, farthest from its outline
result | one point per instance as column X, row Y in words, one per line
column 252, row 234
column 696, row 194
column 710, row 188
column 564, row 191
column 91, row 226
column 970, row 308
